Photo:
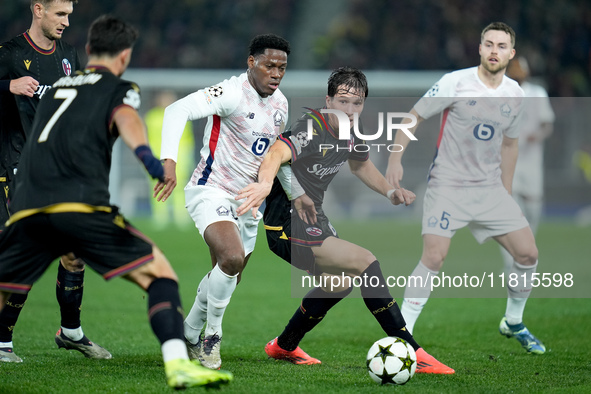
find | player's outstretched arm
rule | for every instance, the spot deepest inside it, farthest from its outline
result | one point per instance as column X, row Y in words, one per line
column 132, row 132
column 163, row 190
column 395, row 171
column 255, row 193
column 305, row 208
column 369, row 174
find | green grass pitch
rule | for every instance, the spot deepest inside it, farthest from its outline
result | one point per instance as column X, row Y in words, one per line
column 462, row 332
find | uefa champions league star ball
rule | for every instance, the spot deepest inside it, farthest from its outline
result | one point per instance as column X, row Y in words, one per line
column 391, row 360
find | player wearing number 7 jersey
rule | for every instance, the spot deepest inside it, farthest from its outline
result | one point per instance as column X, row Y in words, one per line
column 245, row 115
column 470, row 179
column 62, row 195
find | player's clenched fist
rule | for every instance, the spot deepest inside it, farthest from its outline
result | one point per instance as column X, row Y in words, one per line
column 24, row 86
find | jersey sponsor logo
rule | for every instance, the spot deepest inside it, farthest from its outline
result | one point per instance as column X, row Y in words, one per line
column 27, row 64
column 215, row 91
column 505, row 110
column 320, row 171
column 484, row 132
column 250, row 115
column 260, row 146
column 41, row 90
column 278, row 118
column 314, row 231
column 66, row 66
column 263, row 134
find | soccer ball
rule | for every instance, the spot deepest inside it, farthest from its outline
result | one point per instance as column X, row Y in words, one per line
column 391, row 360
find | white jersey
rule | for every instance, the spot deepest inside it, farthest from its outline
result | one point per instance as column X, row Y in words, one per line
column 240, row 128
column 473, row 122
column 529, row 174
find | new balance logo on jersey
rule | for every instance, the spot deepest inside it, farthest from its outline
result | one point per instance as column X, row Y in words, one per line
column 27, row 64
column 250, row 115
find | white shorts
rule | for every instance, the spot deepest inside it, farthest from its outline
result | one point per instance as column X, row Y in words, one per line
column 208, row 205
column 487, row 212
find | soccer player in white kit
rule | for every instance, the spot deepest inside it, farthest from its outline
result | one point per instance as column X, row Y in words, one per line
column 471, row 176
column 245, row 115
column 536, row 125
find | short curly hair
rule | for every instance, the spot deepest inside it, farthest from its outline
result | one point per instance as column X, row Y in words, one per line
column 268, row 41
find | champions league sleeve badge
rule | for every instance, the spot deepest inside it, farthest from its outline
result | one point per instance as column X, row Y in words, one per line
column 215, row 91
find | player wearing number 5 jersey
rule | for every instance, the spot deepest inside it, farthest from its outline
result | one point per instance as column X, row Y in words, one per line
column 470, row 178
column 245, row 115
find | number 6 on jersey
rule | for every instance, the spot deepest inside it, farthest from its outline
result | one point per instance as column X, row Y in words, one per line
column 260, row 146
column 68, row 95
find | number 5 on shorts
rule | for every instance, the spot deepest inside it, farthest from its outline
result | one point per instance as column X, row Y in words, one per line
column 444, row 222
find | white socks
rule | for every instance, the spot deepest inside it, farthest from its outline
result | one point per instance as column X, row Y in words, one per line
column 198, row 314
column 213, row 296
column 75, row 334
column 518, row 291
column 416, row 296
column 174, row 349
column 220, row 289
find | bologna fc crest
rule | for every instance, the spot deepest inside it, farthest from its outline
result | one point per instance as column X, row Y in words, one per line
column 314, row 231
column 66, row 66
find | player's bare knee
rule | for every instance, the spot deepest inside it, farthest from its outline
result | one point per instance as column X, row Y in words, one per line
column 433, row 259
column 527, row 256
column 232, row 263
column 71, row 263
column 362, row 260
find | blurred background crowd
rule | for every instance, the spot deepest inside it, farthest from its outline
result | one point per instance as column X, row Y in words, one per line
column 371, row 34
